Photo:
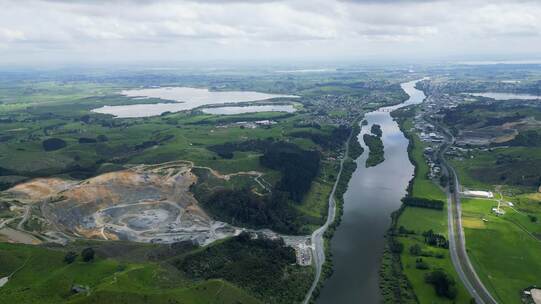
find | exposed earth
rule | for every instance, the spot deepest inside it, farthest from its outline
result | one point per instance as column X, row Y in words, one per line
column 143, row 204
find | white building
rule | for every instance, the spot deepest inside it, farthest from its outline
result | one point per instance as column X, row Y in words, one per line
column 478, row 193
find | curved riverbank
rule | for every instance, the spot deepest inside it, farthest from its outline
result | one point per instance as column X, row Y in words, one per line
column 319, row 237
column 372, row 195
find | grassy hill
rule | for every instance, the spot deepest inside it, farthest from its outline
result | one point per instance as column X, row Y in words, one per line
column 145, row 273
column 43, row 277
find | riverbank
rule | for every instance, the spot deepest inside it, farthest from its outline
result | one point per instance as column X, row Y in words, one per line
column 404, row 269
column 369, row 198
column 347, row 167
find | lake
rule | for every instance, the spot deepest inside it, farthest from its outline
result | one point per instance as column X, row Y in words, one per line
column 373, row 194
column 505, row 96
column 249, row 109
column 185, row 99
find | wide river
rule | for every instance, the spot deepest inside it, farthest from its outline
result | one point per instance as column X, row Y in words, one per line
column 372, row 195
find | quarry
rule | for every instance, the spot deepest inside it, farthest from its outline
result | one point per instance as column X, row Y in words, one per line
column 145, row 203
column 141, row 204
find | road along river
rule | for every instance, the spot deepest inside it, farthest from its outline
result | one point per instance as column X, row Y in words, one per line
column 372, row 195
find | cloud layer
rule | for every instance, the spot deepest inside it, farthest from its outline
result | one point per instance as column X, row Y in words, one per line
column 139, row 30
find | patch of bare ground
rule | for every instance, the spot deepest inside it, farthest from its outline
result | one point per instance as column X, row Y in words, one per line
column 143, row 204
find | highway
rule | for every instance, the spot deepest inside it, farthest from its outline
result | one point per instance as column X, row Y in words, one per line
column 457, row 240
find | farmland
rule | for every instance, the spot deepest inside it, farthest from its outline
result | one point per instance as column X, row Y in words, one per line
column 497, row 150
column 68, row 172
column 412, row 222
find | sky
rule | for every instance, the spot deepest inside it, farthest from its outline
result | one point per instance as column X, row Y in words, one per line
column 131, row 31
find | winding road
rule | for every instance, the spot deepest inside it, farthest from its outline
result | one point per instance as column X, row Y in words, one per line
column 318, row 246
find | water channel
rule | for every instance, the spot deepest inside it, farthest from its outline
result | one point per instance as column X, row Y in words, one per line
column 372, row 195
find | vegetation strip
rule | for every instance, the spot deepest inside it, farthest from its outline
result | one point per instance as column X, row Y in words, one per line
column 320, row 237
column 411, row 261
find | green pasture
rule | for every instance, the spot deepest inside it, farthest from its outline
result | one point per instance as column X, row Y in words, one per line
column 43, row 277
column 516, row 169
column 423, row 219
column 504, row 253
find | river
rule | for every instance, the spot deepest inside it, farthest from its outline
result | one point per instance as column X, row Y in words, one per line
column 372, row 195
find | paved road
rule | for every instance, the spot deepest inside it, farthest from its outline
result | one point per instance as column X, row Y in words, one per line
column 457, row 246
column 457, row 241
column 318, row 248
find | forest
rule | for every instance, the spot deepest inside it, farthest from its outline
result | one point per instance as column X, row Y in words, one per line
column 245, row 208
column 260, row 265
column 297, row 166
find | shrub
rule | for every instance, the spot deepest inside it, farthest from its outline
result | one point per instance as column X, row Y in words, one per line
column 404, row 230
column 420, row 264
column 415, row 249
column 70, row 257
column 86, row 140
column 396, row 246
column 444, row 285
column 87, row 254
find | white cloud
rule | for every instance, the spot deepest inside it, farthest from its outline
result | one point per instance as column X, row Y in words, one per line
column 147, row 30
column 8, row 35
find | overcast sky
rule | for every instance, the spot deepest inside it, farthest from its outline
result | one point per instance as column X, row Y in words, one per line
column 33, row 31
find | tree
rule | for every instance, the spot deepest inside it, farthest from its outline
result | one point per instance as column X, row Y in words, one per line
column 396, row 246
column 70, row 257
column 444, row 180
column 376, row 130
column 443, row 283
column 87, row 254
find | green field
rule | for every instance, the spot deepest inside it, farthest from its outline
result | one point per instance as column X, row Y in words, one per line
column 503, row 249
column 505, row 256
column 45, row 278
column 420, row 220
column 516, row 169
